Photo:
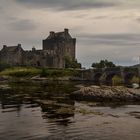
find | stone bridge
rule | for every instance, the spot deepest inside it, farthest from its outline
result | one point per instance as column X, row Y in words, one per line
column 105, row 75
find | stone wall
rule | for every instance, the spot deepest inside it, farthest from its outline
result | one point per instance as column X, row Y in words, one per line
column 62, row 45
column 55, row 48
column 12, row 57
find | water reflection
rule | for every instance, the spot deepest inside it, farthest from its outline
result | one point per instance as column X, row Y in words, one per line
column 39, row 111
column 53, row 98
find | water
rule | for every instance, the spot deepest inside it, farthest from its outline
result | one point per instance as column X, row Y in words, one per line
column 42, row 111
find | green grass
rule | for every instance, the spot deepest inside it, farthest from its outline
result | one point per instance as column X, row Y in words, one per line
column 135, row 79
column 117, row 80
column 21, row 72
column 57, row 72
column 31, row 71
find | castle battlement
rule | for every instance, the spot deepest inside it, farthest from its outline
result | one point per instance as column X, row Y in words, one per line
column 54, row 49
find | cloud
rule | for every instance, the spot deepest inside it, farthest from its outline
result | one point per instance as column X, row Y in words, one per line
column 138, row 19
column 69, row 4
column 1, row 10
column 119, row 48
column 100, row 17
column 22, row 25
column 105, row 29
column 121, row 39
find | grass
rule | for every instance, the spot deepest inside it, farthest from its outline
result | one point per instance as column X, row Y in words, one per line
column 20, row 72
column 57, row 72
column 117, row 80
column 135, row 79
column 31, row 71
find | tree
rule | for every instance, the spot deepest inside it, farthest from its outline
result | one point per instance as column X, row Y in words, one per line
column 70, row 63
column 103, row 64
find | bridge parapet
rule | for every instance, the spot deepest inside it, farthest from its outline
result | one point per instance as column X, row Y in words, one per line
column 106, row 75
column 114, row 69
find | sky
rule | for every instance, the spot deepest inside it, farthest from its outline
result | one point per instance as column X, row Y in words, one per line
column 104, row 29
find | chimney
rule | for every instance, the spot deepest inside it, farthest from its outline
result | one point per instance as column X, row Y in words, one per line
column 19, row 45
column 66, row 31
column 33, row 49
column 52, row 33
column 4, row 46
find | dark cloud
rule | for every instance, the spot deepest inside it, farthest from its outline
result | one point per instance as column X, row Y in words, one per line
column 23, row 24
column 22, row 27
column 69, row 4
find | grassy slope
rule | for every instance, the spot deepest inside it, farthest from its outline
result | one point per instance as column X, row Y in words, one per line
column 20, row 72
column 30, row 72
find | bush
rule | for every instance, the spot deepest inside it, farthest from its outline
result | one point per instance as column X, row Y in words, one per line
column 103, row 64
column 4, row 66
column 70, row 63
column 135, row 79
column 50, row 73
column 43, row 73
column 56, row 72
column 117, row 81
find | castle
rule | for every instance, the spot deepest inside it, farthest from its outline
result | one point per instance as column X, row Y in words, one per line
column 52, row 55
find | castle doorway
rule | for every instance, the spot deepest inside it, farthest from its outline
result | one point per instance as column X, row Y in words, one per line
column 38, row 64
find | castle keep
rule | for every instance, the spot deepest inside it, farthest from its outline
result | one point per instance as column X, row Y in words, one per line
column 55, row 48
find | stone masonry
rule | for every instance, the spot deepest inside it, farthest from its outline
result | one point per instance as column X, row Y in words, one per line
column 56, row 47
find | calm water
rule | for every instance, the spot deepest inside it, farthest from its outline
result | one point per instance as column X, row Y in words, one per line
column 31, row 111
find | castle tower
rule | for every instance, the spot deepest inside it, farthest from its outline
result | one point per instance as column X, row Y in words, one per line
column 59, row 45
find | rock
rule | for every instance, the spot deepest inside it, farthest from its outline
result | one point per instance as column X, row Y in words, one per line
column 38, row 78
column 3, row 78
column 4, row 87
column 107, row 93
column 135, row 85
column 135, row 114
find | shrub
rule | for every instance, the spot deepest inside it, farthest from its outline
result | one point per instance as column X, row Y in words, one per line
column 135, row 79
column 104, row 64
column 70, row 63
column 117, row 81
column 43, row 73
column 51, row 73
column 56, row 72
column 4, row 66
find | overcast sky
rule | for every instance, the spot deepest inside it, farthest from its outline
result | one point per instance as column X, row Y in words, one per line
column 105, row 29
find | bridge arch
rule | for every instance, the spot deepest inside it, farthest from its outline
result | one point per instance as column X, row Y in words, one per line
column 109, row 78
column 128, row 77
column 96, row 77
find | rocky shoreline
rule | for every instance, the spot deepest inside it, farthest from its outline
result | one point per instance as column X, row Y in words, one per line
column 107, row 93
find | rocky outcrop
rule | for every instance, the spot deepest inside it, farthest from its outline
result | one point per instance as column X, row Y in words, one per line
column 106, row 93
column 38, row 78
column 3, row 78
column 4, row 87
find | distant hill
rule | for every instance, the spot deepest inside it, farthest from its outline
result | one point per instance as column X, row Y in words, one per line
column 136, row 66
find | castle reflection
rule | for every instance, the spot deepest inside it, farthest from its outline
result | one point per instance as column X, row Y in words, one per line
column 52, row 98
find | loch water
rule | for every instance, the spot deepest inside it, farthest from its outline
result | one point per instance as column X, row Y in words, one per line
column 45, row 111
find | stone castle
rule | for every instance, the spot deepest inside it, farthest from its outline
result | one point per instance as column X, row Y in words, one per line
column 52, row 55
